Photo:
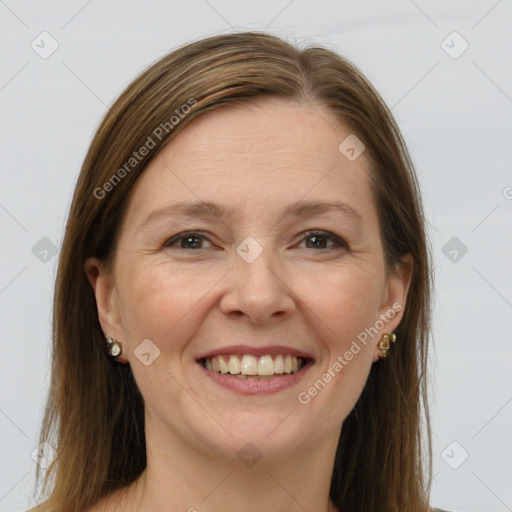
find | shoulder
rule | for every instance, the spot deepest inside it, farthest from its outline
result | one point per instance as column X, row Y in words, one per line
column 439, row 510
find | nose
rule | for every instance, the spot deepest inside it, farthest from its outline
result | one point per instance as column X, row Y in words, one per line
column 258, row 290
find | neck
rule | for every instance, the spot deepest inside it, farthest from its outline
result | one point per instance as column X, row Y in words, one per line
column 190, row 479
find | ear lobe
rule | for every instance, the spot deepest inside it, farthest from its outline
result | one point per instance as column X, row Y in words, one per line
column 102, row 284
column 394, row 298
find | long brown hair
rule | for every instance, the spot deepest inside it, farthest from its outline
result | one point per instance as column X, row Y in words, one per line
column 94, row 415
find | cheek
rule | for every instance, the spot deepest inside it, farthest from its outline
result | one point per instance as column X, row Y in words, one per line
column 347, row 306
column 161, row 303
column 345, row 299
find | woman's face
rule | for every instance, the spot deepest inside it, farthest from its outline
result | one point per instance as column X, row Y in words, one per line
column 197, row 295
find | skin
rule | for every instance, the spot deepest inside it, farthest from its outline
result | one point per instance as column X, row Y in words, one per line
column 258, row 159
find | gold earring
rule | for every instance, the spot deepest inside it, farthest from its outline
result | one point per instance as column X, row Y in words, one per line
column 384, row 344
column 114, row 348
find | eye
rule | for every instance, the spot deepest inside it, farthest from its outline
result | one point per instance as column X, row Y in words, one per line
column 313, row 239
column 319, row 240
column 188, row 241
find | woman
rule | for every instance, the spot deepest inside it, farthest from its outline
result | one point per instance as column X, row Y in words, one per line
column 242, row 303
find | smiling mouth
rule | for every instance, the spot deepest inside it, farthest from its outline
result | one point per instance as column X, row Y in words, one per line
column 254, row 367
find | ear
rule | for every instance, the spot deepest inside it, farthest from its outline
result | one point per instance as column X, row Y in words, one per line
column 102, row 282
column 394, row 298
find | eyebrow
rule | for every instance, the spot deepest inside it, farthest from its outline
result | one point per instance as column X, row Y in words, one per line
column 205, row 210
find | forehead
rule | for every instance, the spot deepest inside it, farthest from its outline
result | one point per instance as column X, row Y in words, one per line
column 272, row 150
column 274, row 132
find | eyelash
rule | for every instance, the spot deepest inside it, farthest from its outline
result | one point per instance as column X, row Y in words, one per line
column 338, row 242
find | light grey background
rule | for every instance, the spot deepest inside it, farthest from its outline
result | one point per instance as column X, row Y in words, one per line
column 455, row 113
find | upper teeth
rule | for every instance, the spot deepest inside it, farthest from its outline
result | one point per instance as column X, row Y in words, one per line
column 252, row 365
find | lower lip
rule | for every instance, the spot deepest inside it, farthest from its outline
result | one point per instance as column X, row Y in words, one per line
column 257, row 387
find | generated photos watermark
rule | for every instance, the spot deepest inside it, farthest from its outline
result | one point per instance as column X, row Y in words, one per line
column 137, row 156
column 304, row 397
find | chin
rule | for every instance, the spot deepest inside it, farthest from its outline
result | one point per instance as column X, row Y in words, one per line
column 257, row 435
